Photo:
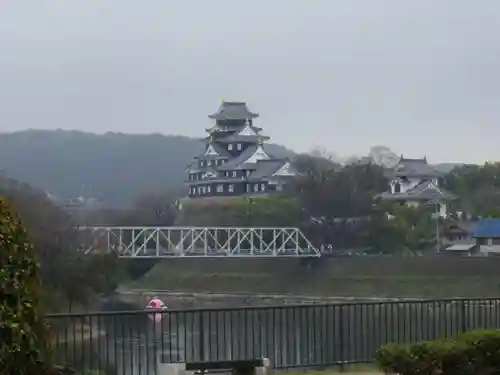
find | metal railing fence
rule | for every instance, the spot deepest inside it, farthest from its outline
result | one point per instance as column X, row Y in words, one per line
column 138, row 342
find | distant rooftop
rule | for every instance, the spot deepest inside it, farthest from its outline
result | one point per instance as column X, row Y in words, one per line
column 414, row 167
column 487, row 228
column 233, row 111
column 424, row 191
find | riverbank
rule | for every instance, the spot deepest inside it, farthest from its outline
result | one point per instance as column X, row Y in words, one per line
column 360, row 277
column 188, row 300
column 354, row 369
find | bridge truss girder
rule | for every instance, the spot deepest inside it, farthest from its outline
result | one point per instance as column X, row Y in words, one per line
column 167, row 242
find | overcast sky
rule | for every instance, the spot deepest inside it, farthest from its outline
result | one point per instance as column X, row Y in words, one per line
column 422, row 77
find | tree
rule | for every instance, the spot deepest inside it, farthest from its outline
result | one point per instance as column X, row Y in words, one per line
column 272, row 211
column 410, row 229
column 338, row 201
column 384, row 236
column 68, row 276
column 22, row 329
column 150, row 209
column 477, row 188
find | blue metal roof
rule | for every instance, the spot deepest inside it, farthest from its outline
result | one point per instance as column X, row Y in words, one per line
column 487, row 228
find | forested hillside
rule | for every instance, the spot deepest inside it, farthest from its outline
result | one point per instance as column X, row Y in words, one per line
column 112, row 167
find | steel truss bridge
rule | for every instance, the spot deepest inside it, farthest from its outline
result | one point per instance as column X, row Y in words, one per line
column 168, row 242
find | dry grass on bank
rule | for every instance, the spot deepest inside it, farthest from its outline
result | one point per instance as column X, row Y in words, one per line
column 357, row 369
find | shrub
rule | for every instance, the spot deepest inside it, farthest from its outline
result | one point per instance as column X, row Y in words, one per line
column 24, row 337
column 476, row 352
column 483, row 349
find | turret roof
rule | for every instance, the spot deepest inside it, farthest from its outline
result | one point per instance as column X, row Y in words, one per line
column 220, row 152
column 266, row 168
column 414, row 168
column 424, row 191
column 240, row 159
column 233, row 111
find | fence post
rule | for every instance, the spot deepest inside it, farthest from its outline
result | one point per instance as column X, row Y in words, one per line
column 464, row 316
column 341, row 336
column 201, row 338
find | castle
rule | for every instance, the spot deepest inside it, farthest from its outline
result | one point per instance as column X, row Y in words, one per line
column 235, row 161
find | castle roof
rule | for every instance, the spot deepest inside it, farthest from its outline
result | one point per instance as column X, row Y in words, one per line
column 233, row 111
column 267, row 168
column 424, row 191
column 414, row 168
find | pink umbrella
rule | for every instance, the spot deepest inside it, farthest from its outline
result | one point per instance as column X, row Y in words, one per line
column 156, row 304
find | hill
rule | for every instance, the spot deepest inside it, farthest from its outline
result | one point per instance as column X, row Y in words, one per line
column 111, row 167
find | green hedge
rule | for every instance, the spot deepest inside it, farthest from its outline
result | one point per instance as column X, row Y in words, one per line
column 475, row 352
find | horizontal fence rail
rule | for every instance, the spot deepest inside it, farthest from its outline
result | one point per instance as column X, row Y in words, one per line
column 139, row 342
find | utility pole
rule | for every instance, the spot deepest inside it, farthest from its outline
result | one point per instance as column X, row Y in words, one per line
column 438, row 234
column 249, row 211
column 437, row 215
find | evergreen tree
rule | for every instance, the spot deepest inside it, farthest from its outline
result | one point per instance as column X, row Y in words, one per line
column 23, row 333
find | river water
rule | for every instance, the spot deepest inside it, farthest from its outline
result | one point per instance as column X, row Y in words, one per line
column 132, row 343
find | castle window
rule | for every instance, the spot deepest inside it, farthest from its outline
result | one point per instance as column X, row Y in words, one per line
column 397, row 187
column 230, row 146
column 209, row 162
column 249, row 188
column 202, row 163
column 238, row 146
column 208, row 189
column 230, row 188
column 204, row 189
column 248, row 173
column 234, row 173
column 256, row 187
column 263, row 187
column 220, row 188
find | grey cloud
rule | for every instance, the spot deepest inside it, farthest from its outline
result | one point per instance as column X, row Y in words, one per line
column 420, row 77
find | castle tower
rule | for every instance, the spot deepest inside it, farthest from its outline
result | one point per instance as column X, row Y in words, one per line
column 235, row 161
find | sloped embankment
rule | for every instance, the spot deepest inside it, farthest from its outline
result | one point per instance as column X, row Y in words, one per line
column 361, row 276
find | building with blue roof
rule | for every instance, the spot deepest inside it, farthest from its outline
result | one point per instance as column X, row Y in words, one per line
column 487, row 235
